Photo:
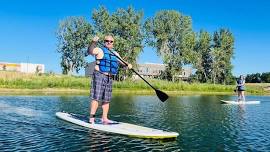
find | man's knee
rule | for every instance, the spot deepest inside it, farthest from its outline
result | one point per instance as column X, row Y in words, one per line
column 105, row 103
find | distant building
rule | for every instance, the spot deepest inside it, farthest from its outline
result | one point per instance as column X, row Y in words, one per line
column 152, row 70
column 89, row 68
column 22, row 67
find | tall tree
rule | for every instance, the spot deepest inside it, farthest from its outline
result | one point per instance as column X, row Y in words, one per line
column 125, row 25
column 73, row 36
column 203, row 60
column 223, row 51
column 168, row 32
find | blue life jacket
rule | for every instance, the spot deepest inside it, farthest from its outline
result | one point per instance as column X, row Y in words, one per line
column 240, row 82
column 109, row 63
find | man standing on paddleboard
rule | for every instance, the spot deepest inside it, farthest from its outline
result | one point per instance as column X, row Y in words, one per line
column 107, row 64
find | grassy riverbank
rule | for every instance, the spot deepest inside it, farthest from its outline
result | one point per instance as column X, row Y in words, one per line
column 58, row 84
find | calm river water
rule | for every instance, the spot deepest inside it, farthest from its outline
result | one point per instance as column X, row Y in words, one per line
column 28, row 123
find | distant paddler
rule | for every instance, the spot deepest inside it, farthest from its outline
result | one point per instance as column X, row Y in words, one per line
column 240, row 88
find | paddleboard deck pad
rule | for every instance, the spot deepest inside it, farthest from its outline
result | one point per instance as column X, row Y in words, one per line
column 240, row 102
column 117, row 127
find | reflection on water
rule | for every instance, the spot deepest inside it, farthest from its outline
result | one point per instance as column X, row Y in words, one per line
column 204, row 124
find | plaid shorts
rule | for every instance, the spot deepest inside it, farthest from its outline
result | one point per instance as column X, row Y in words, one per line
column 101, row 87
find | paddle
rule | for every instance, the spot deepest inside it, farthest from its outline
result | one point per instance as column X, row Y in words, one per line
column 161, row 95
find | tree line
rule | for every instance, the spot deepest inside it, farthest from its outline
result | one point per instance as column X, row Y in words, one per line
column 258, row 78
column 169, row 32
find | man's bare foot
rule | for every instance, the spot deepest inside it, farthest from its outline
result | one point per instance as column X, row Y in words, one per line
column 92, row 120
column 106, row 121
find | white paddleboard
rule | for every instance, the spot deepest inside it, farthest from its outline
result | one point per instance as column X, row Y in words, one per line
column 240, row 102
column 117, row 127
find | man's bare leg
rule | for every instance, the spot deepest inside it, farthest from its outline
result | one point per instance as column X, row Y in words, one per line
column 105, row 108
column 93, row 109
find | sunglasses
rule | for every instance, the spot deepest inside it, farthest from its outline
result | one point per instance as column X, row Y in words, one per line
column 108, row 41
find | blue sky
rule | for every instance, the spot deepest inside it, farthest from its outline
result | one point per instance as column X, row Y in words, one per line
column 27, row 28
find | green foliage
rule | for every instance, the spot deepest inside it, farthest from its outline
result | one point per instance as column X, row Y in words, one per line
column 265, row 77
column 222, row 54
column 125, row 25
column 73, row 36
column 169, row 31
column 253, row 78
column 171, row 34
column 203, row 60
column 213, row 57
column 258, row 78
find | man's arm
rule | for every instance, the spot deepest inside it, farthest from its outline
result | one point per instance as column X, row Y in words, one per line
column 92, row 49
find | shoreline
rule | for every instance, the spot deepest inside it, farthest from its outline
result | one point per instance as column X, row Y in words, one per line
column 74, row 92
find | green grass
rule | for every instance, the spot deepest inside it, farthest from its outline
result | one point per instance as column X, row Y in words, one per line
column 184, row 86
column 13, row 80
column 32, row 81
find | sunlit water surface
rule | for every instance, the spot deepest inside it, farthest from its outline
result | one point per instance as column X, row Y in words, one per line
column 28, row 123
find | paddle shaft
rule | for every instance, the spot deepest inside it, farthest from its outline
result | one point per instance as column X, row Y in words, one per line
column 143, row 79
column 134, row 70
column 161, row 95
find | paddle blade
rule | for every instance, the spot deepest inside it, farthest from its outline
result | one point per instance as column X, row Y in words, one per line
column 161, row 95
